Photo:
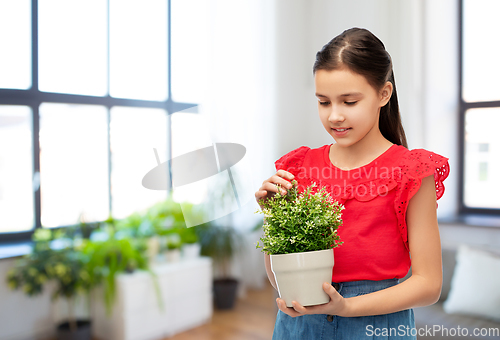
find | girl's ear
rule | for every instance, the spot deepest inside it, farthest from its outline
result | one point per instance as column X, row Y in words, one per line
column 385, row 93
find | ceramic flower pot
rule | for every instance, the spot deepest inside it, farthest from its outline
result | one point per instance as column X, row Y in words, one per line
column 191, row 250
column 300, row 276
column 82, row 332
column 173, row 255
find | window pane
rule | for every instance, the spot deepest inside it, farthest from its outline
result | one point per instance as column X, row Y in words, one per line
column 189, row 133
column 16, row 169
column 482, row 158
column 73, row 46
column 73, row 163
column 190, row 39
column 138, row 49
column 15, row 40
column 481, row 69
column 134, row 132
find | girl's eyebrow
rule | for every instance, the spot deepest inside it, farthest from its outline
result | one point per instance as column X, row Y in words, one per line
column 342, row 95
column 351, row 94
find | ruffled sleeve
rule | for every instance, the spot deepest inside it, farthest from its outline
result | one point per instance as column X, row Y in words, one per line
column 292, row 161
column 416, row 165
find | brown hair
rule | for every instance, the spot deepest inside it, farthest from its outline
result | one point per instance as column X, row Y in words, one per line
column 363, row 53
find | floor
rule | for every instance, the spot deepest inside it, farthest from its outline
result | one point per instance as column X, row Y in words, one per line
column 251, row 319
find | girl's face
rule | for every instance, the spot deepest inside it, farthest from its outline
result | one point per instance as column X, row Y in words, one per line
column 349, row 106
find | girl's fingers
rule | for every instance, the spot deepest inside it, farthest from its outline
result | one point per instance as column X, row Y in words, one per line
column 269, row 187
column 282, row 182
column 298, row 307
column 287, row 310
column 285, row 174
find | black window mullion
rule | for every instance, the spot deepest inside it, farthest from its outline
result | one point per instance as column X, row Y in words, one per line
column 461, row 134
column 35, row 111
column 169, row 87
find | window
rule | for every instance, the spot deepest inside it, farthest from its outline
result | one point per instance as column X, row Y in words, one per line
column 480, row 106
column 85, row 96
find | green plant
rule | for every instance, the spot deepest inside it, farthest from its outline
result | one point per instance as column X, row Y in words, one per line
column 220, row 243
column 108, row 258
column 173, row 241
column 300, row 222
column 165, row 216
column 188, row 235
column 66, row 266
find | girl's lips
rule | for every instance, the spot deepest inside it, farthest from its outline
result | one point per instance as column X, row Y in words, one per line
column 340, row 131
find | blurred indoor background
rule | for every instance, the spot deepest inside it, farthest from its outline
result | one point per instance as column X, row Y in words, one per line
column 90, row 89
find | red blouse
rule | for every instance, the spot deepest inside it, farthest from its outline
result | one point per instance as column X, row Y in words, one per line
column 375, row 197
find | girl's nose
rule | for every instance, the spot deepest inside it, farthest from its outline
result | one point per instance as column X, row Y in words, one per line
column 336, row 115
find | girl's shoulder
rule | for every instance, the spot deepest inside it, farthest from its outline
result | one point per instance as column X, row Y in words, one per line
column 300, row 159
column 293, row 160
column 418, row 162
column 413, row 165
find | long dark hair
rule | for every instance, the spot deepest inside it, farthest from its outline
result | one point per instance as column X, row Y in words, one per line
column 363, row 53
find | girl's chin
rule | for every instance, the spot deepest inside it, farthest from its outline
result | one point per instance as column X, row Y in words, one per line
column 343, row 142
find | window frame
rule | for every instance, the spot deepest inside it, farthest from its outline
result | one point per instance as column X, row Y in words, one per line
column 33, row 98
column 464, row 210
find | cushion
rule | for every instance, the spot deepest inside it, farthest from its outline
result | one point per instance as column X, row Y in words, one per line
column 475, row 286
column 449, row 264
column 443, row 325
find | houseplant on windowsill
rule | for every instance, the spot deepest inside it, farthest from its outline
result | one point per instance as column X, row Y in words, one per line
column 300, row 232
column 190, row 244
column 64, row 265
column 109, row 254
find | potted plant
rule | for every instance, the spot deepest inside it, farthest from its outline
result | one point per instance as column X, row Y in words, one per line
column 66, row 266
column 173, row 247
column 190, row 244
column 220, row 242
column 300, row 232
column 112, row 256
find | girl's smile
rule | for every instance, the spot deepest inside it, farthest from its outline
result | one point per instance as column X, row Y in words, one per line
column 340, row 132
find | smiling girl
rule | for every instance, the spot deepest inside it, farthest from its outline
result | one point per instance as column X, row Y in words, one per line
column 389, row 193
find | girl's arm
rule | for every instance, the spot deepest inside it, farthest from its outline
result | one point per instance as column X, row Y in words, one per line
column 421, row 289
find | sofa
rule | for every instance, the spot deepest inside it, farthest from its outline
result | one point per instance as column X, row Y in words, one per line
column 432, row 322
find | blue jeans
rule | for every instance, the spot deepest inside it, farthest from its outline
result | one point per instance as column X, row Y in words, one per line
column 399, row 325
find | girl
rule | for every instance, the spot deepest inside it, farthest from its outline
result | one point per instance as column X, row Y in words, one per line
column 389, row 194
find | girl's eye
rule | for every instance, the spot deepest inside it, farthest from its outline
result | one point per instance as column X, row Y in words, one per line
column 350, row 103
column 324, row 103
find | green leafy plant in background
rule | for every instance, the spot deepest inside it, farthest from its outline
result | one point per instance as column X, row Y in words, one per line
column 66, row 266
column 108, row 258
column 219, row 242
column 302, row 222
column 91, row 254
column 173, row 243
column 188, row 235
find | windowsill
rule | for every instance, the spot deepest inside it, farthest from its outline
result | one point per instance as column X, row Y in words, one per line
column 473, row 220
column 14, row 249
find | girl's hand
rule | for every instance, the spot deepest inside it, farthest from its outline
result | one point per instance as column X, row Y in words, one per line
column 269, row 189
column 336, row 305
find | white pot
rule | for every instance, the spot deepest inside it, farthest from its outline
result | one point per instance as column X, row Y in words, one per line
column 173, row 255
column 191, row 250
column 300, row 276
